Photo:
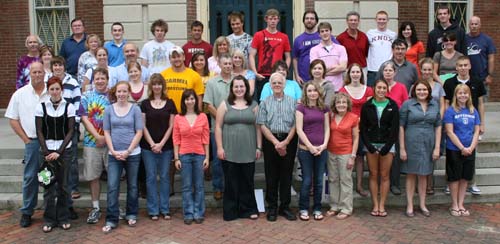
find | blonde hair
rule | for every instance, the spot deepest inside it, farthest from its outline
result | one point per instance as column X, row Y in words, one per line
column 468, row 104
column 338, row 97
column 218, row 41
column 87, row 42
column 305, row 100
column 239, row 53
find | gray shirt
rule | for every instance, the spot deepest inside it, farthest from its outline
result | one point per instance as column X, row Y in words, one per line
column 216, row 91
column 123, row 128
column 278, row 115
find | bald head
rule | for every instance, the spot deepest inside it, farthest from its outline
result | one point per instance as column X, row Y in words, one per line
column 475, row 26
column 37, row 73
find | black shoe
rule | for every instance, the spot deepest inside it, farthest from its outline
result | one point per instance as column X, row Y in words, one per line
column 72, row 213
column 188, row 221
column 288, row 214
column 199, row 221
column 395, row 190
column 25, row 221
column 271, row 215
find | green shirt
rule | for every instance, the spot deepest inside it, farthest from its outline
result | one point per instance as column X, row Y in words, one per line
column 380, row 106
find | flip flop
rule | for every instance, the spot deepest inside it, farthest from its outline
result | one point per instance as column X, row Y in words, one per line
column 253, row 216
column 167, row 216
column 107, row 229
column 464, row 212
column 304, row 216
column 342, row 216
column 153, row 217
column 318, row 216
column 132, row 222
column 362, row 193
column 331, row 213
column 66, row 226
column 46, row 228
column 374, row 213
column 455, row 212
column 382, row 213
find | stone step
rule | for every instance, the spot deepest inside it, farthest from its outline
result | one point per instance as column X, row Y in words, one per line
column 484, row 177
column 489, row 194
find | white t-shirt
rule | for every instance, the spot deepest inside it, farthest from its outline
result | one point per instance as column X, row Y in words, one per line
column 380, row 47
column 241, row 42
column 157, row 55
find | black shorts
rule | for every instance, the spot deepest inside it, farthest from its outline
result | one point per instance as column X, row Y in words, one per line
column 459, row 167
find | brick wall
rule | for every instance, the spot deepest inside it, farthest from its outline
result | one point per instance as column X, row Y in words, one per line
column 15, row 25
column 191, row 16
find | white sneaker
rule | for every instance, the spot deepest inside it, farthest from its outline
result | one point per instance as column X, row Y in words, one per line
column 292, row 191
column 474, row 190
column 447, row 190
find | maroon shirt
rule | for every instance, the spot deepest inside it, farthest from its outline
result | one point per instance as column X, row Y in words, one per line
column 357, row 49
column 190, row 48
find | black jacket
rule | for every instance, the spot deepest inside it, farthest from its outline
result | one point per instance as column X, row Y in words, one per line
column 435, row 42
column 384, row 131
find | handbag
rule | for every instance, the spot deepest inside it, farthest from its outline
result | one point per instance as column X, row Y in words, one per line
column 47, row 173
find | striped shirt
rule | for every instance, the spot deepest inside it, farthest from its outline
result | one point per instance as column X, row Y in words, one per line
column 277, row 114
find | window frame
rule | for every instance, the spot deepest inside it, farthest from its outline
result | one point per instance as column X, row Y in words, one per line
column 469, row 12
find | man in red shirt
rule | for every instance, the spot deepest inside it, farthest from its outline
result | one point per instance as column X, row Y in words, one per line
column 196, row 44
column 354, row 41
column 271, row 45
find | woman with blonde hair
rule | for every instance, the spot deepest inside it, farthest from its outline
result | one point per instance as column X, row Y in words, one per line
column 221, row 45
column 462, row 122
column 313, row 129
column 88, row 59
column 240, row 68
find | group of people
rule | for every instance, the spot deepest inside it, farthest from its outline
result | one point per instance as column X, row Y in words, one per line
column 211, row 112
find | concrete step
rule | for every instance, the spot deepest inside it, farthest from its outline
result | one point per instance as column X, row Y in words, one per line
column 484, row 177
column 489, row 194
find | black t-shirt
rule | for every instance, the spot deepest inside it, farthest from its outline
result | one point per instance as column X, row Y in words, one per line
column 157, row 123
column 476, row 86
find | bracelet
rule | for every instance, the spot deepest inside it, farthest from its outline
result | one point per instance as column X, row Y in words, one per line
column 260, row 149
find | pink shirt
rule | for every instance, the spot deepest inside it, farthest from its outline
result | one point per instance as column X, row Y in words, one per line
column 398, row 93
column 332, row 56
column 191, row 139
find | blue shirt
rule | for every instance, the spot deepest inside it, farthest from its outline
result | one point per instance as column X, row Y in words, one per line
column 120, row 73
column 478, row 49
column 463, row 126
column 115, row 53
column 71, row 51
column 292, row 89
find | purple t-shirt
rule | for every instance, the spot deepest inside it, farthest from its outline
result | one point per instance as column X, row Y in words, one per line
column 301, row 47
column 23, row 71
column 313, row 124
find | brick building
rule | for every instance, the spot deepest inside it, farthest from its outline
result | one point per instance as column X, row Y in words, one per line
column 22, row 17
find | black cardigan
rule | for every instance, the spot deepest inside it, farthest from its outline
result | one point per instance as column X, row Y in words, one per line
column 384, row 131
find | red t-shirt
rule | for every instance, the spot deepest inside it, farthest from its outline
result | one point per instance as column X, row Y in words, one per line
column 398, row 93
column 357, row 49
column 190, row 48
column 270, row 48
column 357, row 103
column 340, row 141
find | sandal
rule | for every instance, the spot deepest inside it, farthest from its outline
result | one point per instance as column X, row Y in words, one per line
column 66, row 226
column 167, row 216
column 464, row 212
column 455, row 212
column 318, row 215
column 331, row 213
column 362, row 192
column 131, row 222
column 106, row 229
column 253, row 216
column 382, row 213
column 342, row 216
column 153, row 217
column 430, row 191
column 374, row 213
column 304, row 215
column 46, row 228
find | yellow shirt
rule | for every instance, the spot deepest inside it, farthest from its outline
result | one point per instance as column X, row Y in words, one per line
column 177, row 82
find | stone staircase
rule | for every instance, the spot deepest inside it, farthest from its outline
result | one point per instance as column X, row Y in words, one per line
column 487, row 173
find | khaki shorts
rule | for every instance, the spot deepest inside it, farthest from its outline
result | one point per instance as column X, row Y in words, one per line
column 95, row 159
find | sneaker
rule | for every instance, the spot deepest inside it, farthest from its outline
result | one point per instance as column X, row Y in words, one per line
column 94, row 216
column 25, row 221
column 122, row 214
column 292, row 191
column 474, row 190
column 72, row 213
column 447, row 190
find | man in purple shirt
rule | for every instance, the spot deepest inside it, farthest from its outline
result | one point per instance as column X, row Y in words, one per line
column 303, row 44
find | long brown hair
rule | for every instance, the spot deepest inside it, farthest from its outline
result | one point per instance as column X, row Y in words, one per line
column 348, row 80
column 154, row 80
column 305, row 100
column 232, row 97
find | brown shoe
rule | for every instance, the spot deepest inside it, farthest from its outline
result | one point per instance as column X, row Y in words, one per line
column 218, row 195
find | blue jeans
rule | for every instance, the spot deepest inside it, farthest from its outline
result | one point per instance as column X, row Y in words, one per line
column 157, row 164
column 313, row 168
column 30, row 180
column 217, row 172
column 115, row 168
column 73, row 179
column 193, row 202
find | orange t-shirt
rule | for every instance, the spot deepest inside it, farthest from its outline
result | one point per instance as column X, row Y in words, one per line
column 413, row 52
column 340, row 141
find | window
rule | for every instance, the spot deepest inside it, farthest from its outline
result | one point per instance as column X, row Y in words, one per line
column 461, row 10
column 50, row 19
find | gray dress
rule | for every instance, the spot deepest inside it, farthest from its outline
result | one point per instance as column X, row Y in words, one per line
column 239, row 136
column 419, row 135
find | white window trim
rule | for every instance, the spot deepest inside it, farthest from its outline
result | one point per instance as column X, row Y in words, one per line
column 470, row 10
column 32, row 16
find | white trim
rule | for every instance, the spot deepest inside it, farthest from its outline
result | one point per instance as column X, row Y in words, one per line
column 32, row 14
column 202, row 14
column 470, row 10
column 298, row 10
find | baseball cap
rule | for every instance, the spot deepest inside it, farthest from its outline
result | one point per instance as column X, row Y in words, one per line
column 176, row 49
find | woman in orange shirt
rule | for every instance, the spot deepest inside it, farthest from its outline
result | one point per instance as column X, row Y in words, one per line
column 342, row 148
column 416, row 48
column 191, row 137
